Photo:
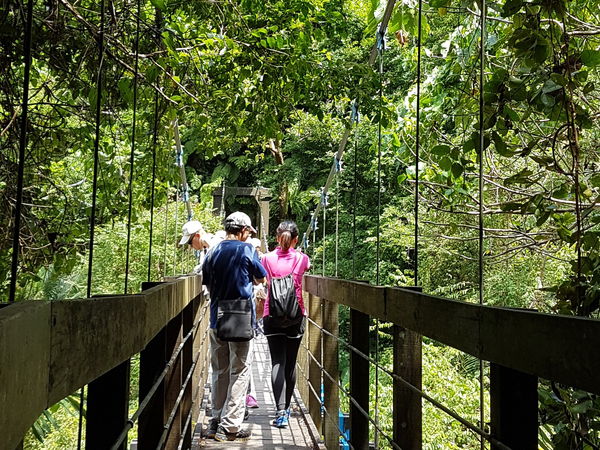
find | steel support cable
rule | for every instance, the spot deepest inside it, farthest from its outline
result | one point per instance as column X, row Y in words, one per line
column 99, row 80
column 164, row 266
column 153, row 185
column 176, row 228
column 340, row 153
column 481, row 198
column 337, row 222
column 334, row 421
column 167, row 426
column 355, row 117
column 132, row 152
column 144, row 403
column 22, row 147
column 324, row 200
column 418, row 143
column 380, row 50
column 353, row 400
column 418, row 391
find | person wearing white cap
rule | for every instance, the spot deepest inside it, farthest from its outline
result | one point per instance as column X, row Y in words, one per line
column 229, row 271
column 194, row 235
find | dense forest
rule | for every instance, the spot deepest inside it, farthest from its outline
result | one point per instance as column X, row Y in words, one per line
column 472, row 168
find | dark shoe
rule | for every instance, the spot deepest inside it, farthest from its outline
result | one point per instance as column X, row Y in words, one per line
column 246, row 414
column 210, row 432
column 222, row 436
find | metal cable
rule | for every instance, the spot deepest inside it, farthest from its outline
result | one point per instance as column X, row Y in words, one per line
column 481, row 199
column 417, row 391
column 381, row 49
column 22, row 146
column 144, row 403
column 355, row 191
column 335, row 421
column 153, row 185
column 418, row 143
column 132, row 153
column 94, row 192
column 353, row 400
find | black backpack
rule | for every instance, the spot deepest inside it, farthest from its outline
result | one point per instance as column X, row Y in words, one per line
column 283, row 302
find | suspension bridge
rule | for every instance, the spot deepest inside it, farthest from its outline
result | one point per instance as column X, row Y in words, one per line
column 50, row 350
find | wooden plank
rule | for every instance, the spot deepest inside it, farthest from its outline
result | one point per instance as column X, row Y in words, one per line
column 107, row 408
column 331, row 366
column 173, row 382
column 408, row 415
column 314, row 371
column 514, row 408
column 24, row 360
column 359, row 380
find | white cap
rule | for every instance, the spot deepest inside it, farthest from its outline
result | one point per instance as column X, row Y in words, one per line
column 239, row 219
column 189, row 229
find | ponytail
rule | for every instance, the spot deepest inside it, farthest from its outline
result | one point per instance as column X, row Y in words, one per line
column 287, row 231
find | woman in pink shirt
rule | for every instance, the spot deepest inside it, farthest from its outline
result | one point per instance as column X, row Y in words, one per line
column 284, row 339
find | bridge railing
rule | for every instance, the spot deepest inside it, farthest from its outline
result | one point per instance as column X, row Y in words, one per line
column 49, row 350
column 521, row 346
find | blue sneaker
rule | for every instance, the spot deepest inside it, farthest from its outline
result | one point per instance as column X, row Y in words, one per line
column 282, row 419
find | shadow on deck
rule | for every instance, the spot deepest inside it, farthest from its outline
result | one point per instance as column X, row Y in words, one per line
column 300, row 434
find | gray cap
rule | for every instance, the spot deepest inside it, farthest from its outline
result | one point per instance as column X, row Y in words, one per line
column 239, row 219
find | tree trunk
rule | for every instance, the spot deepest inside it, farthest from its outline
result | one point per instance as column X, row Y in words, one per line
column 275, row 148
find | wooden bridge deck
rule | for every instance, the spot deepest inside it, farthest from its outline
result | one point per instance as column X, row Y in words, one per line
column 299, row 435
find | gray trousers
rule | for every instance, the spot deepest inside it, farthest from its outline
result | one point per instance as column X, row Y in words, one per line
column 230, row 363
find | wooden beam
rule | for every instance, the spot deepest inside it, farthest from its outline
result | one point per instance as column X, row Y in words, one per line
column 560, row 348
column 514, row 407
column 331, row 365
column 107, row 408
column 69, row 343
column 359, row 380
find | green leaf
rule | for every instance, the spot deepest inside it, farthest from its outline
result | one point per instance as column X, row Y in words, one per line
column 445, row 163
column 457, row 170
column 511, row 7
column 441, row 150
column 501, row 146
column 160, row 4
column 590, row 58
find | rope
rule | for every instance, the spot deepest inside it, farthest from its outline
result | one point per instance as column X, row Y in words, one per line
column 418, row 143
column 94, row 192
column 481, row 199
column 132, row 153
column 22, row 147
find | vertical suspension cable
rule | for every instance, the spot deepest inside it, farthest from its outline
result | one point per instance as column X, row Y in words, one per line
column 132, row 153
column 164, row 266
column 337, row 222
column 152, row 187
column 418, row 144
column 355, row 118
column 324, row 200
column 99, row 80
column 481, row 199
column 176, row 228
column 380, row 48
column 22, row 146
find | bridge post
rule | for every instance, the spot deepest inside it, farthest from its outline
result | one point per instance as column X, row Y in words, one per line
column 314, row 369
column 152, row 419
column 408, row 420
column 331, row 431
column 187, row 359
column 174, row 381
column 514, row 407
column 359, row 380
column 107, row 408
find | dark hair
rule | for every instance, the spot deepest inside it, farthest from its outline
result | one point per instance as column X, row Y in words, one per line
column 233, row 228
column 288, row 231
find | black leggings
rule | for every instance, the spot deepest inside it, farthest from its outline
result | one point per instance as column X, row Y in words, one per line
column 284, row 351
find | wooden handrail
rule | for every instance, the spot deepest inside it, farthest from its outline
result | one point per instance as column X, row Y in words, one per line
column 48, row 350
column 561, row 348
